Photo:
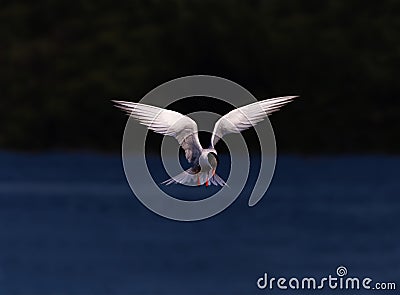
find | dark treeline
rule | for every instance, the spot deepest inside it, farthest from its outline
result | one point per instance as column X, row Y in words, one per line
column 62, row 61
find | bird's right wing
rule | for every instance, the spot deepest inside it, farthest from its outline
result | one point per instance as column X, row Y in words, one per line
column 166, row 122
column 247, row 116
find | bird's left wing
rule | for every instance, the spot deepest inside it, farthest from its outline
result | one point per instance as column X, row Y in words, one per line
column 166, row 122
column 247, row 116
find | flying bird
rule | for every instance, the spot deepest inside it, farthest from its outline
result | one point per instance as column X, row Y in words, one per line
column 204, row 161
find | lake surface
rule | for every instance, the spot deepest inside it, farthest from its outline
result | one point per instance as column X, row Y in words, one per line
column 69, row 224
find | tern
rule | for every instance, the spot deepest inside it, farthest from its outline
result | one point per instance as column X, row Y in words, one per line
column 204, row 161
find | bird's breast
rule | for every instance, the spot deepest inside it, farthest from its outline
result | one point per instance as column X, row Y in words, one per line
column 203, row 162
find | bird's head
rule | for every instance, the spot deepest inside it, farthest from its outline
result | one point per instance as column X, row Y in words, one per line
column 212, row 159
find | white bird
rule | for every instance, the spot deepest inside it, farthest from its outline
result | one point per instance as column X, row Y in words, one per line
column 204, row 161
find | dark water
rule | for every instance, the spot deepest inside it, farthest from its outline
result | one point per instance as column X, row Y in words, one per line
column 69, row 224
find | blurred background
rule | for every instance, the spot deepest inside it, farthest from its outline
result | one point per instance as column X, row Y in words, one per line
column 68, row 220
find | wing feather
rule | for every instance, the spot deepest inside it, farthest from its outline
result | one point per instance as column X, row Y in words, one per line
column 247, row 116
column 166, row 122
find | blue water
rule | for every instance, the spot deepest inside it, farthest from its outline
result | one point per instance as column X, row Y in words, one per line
column 69, row 224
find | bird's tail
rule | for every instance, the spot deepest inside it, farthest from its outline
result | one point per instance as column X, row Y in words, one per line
column 216, row 180
column 196, row 179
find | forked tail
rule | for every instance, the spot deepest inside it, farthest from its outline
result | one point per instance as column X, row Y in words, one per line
column 193, row 179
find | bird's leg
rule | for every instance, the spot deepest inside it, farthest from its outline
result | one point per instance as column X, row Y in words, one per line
column 207, row 182
column 213, row 172
column 198, row 179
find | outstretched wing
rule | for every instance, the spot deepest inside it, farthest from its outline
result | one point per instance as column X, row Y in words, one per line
column 166, row 122
column 247, row 116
